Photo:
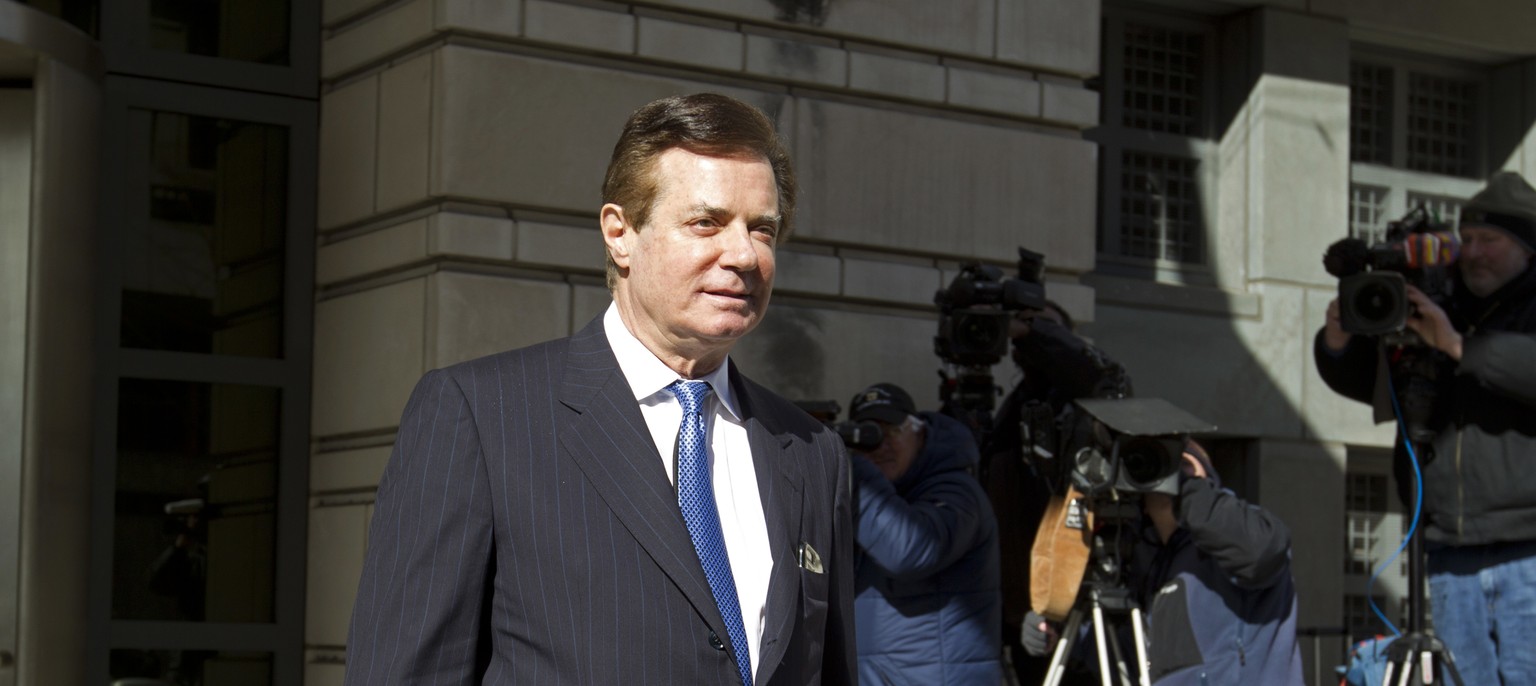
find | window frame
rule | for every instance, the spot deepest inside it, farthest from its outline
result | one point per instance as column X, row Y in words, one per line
column 1115, row 140
column 1395, row 177
column 125, row 39
column 122, row 149
column 1392, row 585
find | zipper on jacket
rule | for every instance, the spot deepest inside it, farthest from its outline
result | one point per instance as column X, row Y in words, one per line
column 1461, row 421
column 1461, row 486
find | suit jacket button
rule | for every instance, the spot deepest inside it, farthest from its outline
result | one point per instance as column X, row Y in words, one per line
column 714, row 641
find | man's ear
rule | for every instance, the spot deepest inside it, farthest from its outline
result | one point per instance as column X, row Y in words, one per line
column 617, row 233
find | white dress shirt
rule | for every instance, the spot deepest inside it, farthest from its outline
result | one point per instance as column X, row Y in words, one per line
column 737, row 499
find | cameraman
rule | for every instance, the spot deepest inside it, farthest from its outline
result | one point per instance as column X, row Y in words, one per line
column 1479, row 470
column 927, row 609
column 1058, row 367
column 1214, row 574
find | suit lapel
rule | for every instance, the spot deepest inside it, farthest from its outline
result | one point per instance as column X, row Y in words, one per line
column 778, row 469
column 605, row 434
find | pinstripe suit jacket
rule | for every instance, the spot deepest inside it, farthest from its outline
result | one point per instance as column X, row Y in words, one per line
column 526, row 533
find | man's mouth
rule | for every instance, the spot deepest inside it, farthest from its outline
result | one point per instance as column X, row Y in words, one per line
column 733, row 294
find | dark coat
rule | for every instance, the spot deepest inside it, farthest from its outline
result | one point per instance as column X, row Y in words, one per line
column 1479, row 470
column 928, row 609
column 526, row 533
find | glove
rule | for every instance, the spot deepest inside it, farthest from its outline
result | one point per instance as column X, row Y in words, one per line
column 1037, row 635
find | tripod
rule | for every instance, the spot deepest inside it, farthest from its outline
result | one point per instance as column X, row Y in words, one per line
column 1418, row 657
column 1103, row 599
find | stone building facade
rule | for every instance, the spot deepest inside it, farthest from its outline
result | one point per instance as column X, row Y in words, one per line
column 400, row 185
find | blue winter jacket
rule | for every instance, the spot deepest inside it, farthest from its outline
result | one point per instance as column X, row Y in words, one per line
column 928, row 609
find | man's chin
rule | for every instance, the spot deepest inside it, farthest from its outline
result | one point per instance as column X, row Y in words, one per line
column 1479, row 285
column 729, row 327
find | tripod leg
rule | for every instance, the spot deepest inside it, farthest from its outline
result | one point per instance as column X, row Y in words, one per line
column 1098, row 641
column 1139, row 632
column 1117, row 653
column 1058, row 668
column 1450, row 668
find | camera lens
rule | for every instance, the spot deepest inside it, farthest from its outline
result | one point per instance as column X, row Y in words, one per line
column 1376, row 301
column 1145, row 462
column 981, row 332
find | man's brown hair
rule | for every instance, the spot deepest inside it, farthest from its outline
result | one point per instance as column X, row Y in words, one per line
column 704, row 124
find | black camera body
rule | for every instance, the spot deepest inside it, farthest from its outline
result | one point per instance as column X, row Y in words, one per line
column 860, row 436
column 1133, row 445
column 1373, row 279
column 975, row 310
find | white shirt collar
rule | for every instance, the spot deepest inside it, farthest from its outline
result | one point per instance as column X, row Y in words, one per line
column 648, row 376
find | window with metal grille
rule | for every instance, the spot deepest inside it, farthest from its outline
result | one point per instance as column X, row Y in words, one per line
column 1159, row 208
column 1359, row 543
column 1362, row 623
column 1366, row 492
column 1440, row 124
column 1367, row 212
column 1441, row 208
column 1373, row 530
column 1416, row 135
column 1158, row 101
column 1365, row 501
column 1162, row 76
column 1370, row 113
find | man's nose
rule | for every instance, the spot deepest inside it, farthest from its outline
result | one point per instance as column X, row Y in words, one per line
column 736, row 249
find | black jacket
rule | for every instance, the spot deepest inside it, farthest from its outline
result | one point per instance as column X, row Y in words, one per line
column 1480, row 468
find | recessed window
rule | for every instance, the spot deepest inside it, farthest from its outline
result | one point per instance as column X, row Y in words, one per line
column 191, row 667
column 195, row 506
column 1163, row 80
column 244, row 30
column 204, row 273
column 1415, row 139
column 1160, row 208
column 1441, row 115
column 1154, row 143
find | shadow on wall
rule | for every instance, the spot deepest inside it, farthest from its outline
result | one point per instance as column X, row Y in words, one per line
column 813, row 12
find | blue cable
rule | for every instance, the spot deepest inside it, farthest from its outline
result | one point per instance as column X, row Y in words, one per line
column 1418, row 502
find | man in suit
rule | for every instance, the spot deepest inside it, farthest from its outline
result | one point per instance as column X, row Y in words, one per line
column 623, row 505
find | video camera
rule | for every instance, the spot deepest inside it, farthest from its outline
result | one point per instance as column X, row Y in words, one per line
column 1373, row 301
column 974, row 311
column 861, row 436
column 1111, row 453
column 1135, row 445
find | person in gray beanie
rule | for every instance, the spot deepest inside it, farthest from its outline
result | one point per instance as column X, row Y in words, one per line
column 1479, row 470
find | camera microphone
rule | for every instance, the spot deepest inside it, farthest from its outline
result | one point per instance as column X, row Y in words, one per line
column 1347, row 257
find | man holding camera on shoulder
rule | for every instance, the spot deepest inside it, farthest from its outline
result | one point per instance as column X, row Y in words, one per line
column 927, row 607
column 1479, row 469
column 1213, row 573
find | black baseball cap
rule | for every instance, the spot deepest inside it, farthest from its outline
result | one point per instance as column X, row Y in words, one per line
column 883, row 402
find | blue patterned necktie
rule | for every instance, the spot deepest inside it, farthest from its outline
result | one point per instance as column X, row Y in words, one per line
column 696, row 498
